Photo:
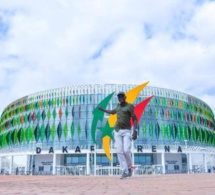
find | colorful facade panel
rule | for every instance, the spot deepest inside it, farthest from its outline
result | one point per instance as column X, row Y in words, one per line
column 64, row 115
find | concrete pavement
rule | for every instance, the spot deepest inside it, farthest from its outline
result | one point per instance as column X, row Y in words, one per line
column 198, row 184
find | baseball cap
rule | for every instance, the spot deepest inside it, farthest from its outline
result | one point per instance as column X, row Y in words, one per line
column 121, row 93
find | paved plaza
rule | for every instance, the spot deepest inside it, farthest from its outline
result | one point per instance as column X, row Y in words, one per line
column 201, row 184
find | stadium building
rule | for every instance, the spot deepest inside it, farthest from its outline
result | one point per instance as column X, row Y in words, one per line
column 50, row 132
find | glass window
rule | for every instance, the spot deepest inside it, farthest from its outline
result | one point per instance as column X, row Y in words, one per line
column 41, row 168
column 184, row 158
column 102, row 160
column 176, row 167
column 143, row 159
column 74, row 159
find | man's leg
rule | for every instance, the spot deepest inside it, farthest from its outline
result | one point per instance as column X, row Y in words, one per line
column 119, row 148
column 127, row 148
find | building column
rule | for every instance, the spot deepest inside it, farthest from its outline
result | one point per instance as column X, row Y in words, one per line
column 163, row 162
column 205, row 163
column 32, row 165
column 26, row 165
column 111, row 163
column 132, row 152
column 11, row 165
column 94, row 159
column 213, row 167
column 88, row 163
column 54, row 164
column 0, row 164
column 190, row 162
column 132, row 155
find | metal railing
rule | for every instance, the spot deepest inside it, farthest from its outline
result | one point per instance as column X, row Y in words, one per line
column 81, row 170
column 139, row 170
column 148, row 170
column 107, row 170
column 71, row 170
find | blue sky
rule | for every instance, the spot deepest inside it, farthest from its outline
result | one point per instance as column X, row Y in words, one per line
column 59, row 43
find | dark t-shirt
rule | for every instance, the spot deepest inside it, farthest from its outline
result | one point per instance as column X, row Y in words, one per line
column 124, row 114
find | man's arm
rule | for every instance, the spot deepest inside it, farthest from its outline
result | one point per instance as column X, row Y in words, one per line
column 107, row 111
column 135, row 130
column 134, row 118
column 135, row 123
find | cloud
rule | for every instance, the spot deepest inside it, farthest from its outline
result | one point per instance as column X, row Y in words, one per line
column 202, row 24
column 57, row 43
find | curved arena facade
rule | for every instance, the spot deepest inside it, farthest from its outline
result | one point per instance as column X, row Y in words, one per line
column 50, row 132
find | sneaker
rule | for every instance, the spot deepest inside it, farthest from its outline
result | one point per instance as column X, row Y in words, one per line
column 130, row 171
column 124, row 175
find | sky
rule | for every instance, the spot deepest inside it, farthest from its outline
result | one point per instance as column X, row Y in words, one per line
column 46, row 44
